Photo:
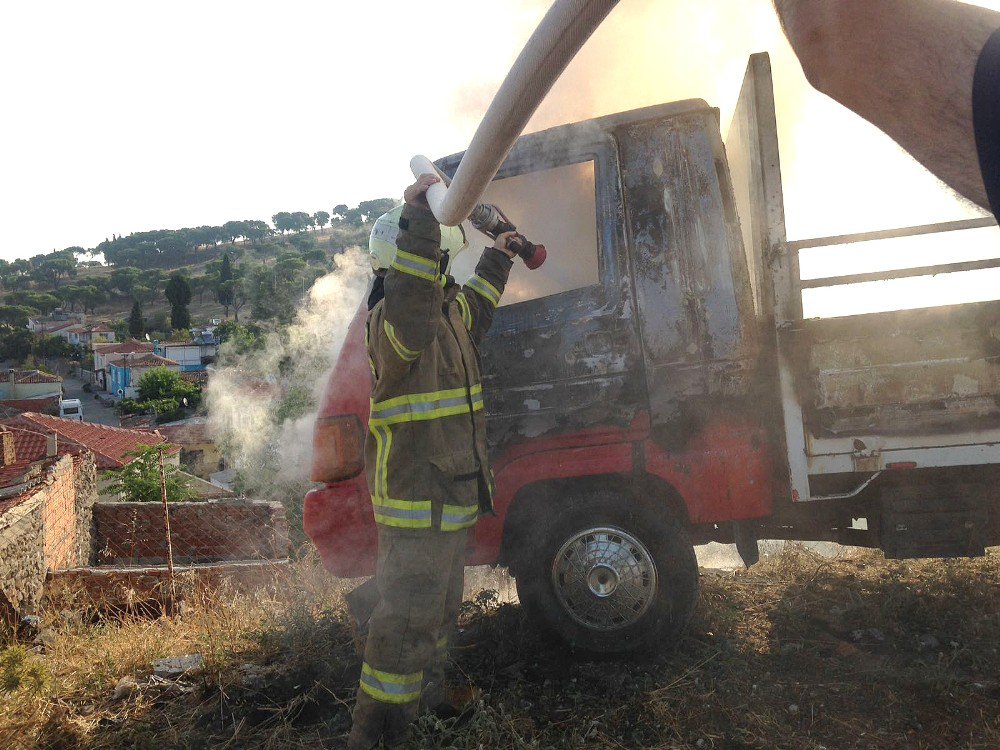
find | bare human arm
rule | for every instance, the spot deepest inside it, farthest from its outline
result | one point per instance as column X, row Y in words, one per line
column 906, row 66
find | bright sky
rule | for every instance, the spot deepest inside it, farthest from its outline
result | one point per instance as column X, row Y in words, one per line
column 126, row 116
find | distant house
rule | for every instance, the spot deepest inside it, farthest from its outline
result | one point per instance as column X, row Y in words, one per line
column 104, row 352
column 192, row 356
column 71, row 333
column 18, row 385
column 87, row 335
column 126, row 370
column 57, row 320
column 46, row 327
column 199, row 453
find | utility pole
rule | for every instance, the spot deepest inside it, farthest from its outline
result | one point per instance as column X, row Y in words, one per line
column 166, row 524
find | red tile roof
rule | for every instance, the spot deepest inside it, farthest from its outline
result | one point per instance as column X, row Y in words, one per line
column 31, row 404
column 109, row 444
column 147, row 359
column 57, row 326
column 34, row 376
column 31, row 456
column 124, row 347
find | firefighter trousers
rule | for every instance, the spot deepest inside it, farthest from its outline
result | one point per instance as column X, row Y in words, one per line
column 420, row 578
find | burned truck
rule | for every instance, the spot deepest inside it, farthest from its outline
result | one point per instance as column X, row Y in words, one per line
column 654, row 386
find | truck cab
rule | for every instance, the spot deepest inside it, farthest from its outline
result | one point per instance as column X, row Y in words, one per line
column 653, row 386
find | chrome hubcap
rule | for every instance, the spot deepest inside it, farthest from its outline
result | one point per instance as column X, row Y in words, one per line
column 605, row 578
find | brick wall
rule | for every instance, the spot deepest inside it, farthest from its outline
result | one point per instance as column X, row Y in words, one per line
column 59, row 516
column 200, row 532
column 45, row 531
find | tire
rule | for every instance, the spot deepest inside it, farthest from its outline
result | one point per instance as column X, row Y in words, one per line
column 610, row 575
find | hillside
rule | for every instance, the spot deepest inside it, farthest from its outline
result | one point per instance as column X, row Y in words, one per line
column 332, row 239
column 269, row 275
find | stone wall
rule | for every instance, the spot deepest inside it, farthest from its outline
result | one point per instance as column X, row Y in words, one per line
column 47, row 528
column 22, row 557
column 200, row 532
column 86, row 495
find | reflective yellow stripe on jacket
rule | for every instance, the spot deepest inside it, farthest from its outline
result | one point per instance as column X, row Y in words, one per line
column 417, row 514
column 407, row 355
column 416, row 265
column 484, row 288
column 424, row 406
column 464, row 310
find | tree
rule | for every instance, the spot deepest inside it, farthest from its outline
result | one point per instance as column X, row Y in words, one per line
column 354, row 217
column 314, row 255
column 339, row 212
column 301, row 221
column 283, row 221
column 322, row 219
column 135, row 324
column 374, row 208
column 180, row 317
column 91, row 296
column 17, row 345
column 44, row 303
column 160, row 383
column 256, row 230
column 178, row 293
column 139, row 480
column 302, row 242
column 241, row 295
column 13, row 317
column 224, row 286
column 234, row 230
column 52, row 347
column 240, row 338
column 123, row 280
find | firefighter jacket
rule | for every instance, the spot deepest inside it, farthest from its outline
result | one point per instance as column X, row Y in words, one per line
column 425, row 453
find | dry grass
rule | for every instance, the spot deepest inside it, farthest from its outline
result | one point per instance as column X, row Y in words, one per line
column 799, row 653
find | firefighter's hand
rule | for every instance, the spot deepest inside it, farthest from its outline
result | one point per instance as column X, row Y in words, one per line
column 502, row 241
column 416, row 194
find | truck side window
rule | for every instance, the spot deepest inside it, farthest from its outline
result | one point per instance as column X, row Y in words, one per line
column 553, row 207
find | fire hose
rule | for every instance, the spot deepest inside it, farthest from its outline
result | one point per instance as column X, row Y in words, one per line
column 560, row 35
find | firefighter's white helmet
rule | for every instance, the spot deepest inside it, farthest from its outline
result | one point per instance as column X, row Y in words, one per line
column 382, row 242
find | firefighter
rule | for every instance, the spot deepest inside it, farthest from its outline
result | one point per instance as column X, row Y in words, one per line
column 425, row 455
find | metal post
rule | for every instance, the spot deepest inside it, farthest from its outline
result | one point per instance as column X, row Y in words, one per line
column 166, row 525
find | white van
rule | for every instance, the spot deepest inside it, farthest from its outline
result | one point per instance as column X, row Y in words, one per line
column 71, row 408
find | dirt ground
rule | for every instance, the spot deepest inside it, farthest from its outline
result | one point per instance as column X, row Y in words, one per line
column 801, row 652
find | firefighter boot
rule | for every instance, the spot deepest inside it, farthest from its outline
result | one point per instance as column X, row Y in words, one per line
column 375, row 722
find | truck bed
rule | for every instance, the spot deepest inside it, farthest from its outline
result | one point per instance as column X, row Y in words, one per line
column 919, row 371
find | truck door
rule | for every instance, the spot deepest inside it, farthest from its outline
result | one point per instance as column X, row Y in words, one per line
column 693, row 303
column 561, row 352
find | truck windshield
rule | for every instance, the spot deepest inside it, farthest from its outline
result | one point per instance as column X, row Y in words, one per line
column 552, row 207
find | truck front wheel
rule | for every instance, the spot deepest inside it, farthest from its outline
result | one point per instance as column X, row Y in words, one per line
column 610, row 575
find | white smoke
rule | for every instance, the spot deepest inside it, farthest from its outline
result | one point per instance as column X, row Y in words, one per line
column 262, row 404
